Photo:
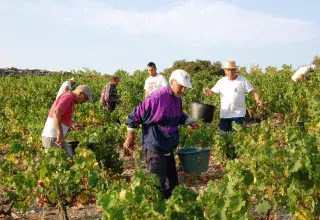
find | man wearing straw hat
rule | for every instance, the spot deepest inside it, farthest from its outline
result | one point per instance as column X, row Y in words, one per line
column 66, row 86
column 232, row 89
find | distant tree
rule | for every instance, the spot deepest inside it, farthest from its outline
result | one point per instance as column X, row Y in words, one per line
column 271, row 70
column 121, row 73
column 287, row 68
column 198, row 68
column 139, row 73
column 316, row 61
column 242, row 70
column 255, row 68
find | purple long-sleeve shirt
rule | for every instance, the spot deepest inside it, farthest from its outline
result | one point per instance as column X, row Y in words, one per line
column 160, row 114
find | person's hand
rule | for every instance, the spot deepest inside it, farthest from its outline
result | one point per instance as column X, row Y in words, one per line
column 77, row 126
column 129, row 143
column 60, row 140
column 194, row 125
column 260, row 103
column 207, row 91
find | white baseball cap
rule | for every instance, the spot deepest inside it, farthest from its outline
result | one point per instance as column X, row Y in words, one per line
column 182, row 78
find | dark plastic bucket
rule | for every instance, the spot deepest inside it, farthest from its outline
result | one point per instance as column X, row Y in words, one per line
column 194, row 160
column 73, row 145
column 204, row 112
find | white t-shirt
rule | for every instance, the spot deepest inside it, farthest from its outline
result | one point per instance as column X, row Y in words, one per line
column 232, row 96
column 153, row 83
column 50, row 130
column 64, row 85
column 301, row 71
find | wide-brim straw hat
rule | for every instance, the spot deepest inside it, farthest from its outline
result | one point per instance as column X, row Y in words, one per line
column 229, row 64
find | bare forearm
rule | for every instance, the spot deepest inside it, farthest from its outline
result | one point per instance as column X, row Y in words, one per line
column 208, row 92
column 256, row 95
column 257, row 98
column 57, row 121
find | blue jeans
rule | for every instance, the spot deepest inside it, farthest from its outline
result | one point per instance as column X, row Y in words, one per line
column 225, row 124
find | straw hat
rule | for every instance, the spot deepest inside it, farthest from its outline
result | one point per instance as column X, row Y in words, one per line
column 229, row 64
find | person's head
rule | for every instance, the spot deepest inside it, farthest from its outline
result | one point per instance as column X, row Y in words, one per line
column 179, row 82
column 82, row 94
column 152, row 69
column 313, row 68
column 230, row 69
column 72, row 81
column 114, row 80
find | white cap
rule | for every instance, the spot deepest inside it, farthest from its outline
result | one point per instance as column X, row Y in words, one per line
column 314, row 67
column 182, row 78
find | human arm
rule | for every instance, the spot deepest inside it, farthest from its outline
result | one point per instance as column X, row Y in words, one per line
column 129, row 142
column 77, row 126
column 256, row 96
column 58, row 124
column 141, row 115
column 208, row 92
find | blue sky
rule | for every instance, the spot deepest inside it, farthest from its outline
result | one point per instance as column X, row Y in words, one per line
column 122, row 34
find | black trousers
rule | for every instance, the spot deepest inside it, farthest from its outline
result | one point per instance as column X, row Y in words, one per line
column 165, row 168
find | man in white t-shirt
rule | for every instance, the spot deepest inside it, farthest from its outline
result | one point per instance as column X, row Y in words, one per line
column 232, row 89
column 66, row 86
column 155, row 81
column 303, row 72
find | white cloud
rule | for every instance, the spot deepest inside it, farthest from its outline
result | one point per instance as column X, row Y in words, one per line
column 189, row 23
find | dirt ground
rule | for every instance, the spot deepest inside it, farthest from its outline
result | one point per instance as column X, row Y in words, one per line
column 92, row 211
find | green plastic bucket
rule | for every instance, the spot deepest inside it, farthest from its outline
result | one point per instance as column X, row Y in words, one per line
column 194, row 160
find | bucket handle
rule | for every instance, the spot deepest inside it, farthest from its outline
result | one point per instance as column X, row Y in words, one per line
column 201, row 97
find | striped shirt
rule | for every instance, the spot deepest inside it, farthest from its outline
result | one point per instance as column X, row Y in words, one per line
column 109, row 95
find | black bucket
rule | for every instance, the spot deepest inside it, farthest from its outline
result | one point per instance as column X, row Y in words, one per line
column 73, row 145
column 204, row 112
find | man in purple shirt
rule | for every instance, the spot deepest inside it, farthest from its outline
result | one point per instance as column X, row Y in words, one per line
column 160, row 114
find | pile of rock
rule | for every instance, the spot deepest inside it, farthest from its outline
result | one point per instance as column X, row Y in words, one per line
column 23, row 72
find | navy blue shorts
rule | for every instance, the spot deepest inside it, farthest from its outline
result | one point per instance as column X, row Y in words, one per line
column 225, row 124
